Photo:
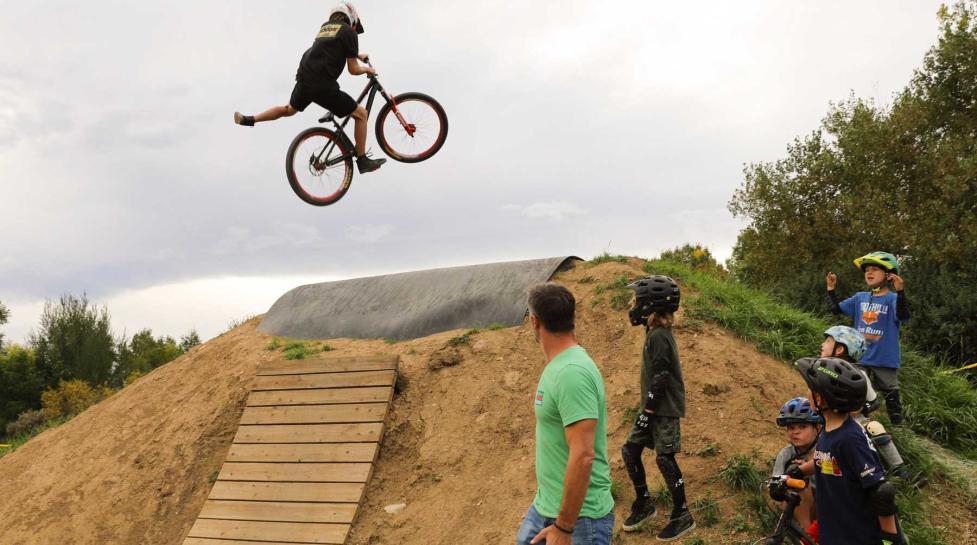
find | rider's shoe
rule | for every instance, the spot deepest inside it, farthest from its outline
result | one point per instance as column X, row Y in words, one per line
column 677, row 527
column 642, row 510
column 245, row 120
column 365, row 164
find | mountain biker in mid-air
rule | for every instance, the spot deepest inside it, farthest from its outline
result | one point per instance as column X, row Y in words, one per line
column 316, row 79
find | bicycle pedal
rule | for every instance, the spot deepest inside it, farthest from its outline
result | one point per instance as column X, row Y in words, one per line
column 326, row 118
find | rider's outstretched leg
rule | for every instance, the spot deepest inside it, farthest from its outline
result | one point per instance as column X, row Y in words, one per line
column 364, row 163
column 275, row 112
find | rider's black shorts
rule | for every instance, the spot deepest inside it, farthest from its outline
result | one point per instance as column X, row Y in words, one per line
column 334, row 100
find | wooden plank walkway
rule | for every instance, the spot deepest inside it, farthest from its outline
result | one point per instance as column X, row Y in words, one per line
column 302, row 455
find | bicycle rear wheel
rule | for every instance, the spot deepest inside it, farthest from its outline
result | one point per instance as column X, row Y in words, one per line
column 412, row 128
column 319, row 166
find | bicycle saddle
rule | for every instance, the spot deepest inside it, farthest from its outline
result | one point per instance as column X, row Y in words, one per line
column 326, row 118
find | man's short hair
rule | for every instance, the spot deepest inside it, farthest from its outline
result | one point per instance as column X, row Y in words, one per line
column 553, row 305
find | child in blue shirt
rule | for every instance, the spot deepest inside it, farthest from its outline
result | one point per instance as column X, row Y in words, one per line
column 878, row 314
column 855, row 504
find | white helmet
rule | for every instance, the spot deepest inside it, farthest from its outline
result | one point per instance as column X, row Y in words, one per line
column 347, row 9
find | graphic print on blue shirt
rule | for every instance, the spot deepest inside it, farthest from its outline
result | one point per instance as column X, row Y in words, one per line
column 875, row 317
column 845, row 466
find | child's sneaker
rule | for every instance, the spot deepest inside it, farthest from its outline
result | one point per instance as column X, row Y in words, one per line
column 642, row 510
column 677, row 527
column 367, row 164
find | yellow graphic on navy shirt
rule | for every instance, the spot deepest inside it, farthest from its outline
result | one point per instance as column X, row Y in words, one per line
column 329, row 30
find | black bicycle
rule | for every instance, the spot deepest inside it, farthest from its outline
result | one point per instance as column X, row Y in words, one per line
column 410, row 128
column 787, row 530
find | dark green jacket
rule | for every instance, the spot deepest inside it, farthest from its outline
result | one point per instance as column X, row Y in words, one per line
column 662, row 387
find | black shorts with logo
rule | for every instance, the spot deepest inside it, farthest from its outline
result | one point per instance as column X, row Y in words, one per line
column 334, row 100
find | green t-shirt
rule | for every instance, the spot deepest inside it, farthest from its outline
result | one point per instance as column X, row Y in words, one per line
column 570, row 389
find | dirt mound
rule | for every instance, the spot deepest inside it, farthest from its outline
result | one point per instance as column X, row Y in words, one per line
column 458, row 450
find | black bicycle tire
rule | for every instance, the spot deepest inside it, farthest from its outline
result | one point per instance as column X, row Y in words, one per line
column 435, row 105
column 293, row 180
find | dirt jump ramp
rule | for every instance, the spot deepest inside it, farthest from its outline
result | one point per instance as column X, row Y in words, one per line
column 302, row 455
column 412, row 304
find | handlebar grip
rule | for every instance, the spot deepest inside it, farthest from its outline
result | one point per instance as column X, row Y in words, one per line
column 799, row 484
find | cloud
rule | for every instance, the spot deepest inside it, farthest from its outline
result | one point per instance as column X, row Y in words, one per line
column 553, row 210
column 239, row 239
column 368, row 233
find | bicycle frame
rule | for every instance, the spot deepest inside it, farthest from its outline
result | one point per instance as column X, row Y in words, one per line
column 787, row 524
column 371, row 89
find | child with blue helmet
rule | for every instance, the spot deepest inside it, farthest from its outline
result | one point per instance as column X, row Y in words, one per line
column 802, row 424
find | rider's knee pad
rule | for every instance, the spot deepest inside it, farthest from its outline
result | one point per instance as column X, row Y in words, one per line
column 883, row 499
column 669, row 468
column 876, row 431
column 631, row 453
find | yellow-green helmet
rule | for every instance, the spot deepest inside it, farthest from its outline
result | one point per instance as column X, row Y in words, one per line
column 882, row 259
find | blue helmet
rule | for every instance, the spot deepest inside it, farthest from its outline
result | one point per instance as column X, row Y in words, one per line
column 798, row 411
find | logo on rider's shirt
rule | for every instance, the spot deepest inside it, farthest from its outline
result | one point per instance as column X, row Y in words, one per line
column 827, row 463
column 329, row 30
column 870, row 317
column 539, row 397
column 867, row 471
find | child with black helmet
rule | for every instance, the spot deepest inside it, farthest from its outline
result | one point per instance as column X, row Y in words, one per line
column 662, row 406
column 802, row 424
column 848, row 344
column 878, row 314
column 855, row 503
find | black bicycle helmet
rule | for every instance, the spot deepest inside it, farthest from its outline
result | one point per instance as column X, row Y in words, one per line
column 841, row 385
column 653, row 294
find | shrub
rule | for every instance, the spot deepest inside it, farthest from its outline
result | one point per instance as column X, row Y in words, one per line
column 71, row 398
column 26, row 423
column 741, row 473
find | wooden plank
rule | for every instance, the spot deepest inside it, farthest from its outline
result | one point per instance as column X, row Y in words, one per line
column 209, row 541
column 310, row 452
column 292, row 532
column 309, row 433
column 321, row 396
column 304, row 472
column 325, row 380
column 328, row 365
column 305, row 492
column 279, row 511
column 315, row 414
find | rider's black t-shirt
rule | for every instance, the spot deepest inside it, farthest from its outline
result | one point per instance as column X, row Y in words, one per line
column 322, row 64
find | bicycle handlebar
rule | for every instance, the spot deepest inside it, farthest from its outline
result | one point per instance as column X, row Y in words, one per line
column 797, row 484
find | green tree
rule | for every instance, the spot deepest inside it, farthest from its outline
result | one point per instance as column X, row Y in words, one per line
column 899, row 179
column 74, row 341
column 4, row 315
column 20, row 384
column 143, row 353
column 189, row 340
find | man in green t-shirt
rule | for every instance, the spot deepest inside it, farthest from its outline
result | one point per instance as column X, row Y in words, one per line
column 573, row 503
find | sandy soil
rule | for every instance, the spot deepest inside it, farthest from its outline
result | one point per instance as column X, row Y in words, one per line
column 136, row 468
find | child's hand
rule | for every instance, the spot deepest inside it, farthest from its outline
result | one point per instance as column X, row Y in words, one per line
column 831, row 280
column 897, row 282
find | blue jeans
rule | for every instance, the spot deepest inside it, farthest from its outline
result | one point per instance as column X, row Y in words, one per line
column 587, row 531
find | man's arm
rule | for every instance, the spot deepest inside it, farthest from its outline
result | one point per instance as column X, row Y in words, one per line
column 355, row 68
column 580, row 438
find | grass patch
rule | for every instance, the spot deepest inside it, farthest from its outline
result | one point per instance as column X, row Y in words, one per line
column 17, row 441
column 629, row 415
column 763, row 514
column 212, row 478
column 706, row 511
column 299, row 350
column 711, row 449
column 274, row 344
column 495, row 326
column 620, row 300
column 391, row 341
column 605, row 257
column 740, row 473
column 694, row 541
column 586, row 280
column 237, row 323
column 616, row 490
column 941, row 407
column 662, row 497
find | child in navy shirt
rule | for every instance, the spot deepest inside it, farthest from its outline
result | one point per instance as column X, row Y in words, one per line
column 878, row 314
column 855, row 504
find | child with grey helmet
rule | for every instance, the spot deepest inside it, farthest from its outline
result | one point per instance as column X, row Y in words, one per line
column 855, row 503
column 848, row 344
column 878, row 315
column 802, row 424
column 656, row 298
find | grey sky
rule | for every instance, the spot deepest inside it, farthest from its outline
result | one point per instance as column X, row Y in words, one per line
column 573, row 128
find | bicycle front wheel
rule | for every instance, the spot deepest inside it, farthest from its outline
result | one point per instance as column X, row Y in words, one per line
column 319, row 166
column 412, row 128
